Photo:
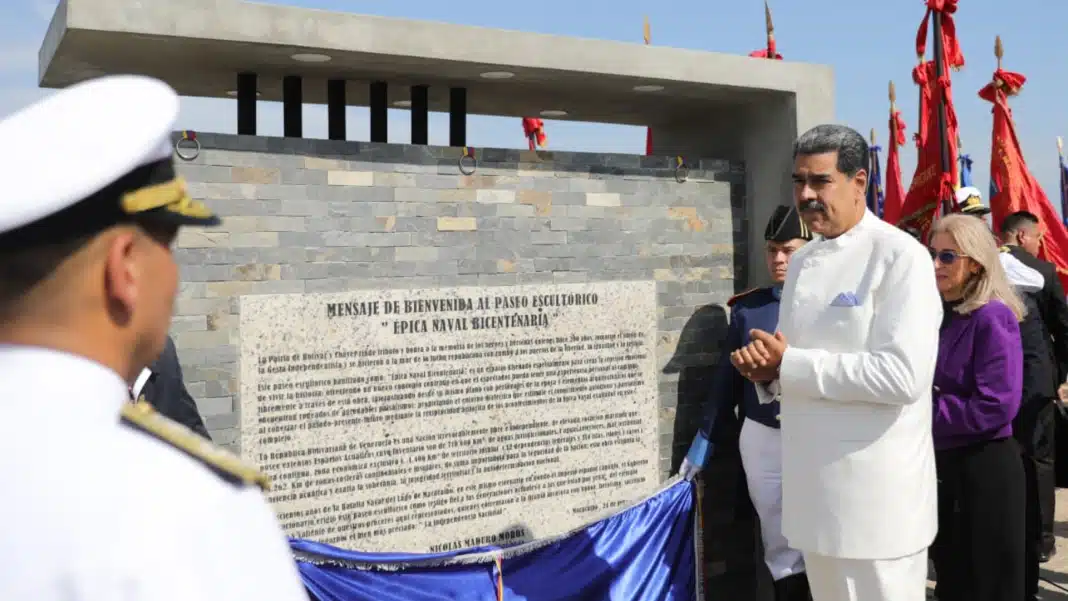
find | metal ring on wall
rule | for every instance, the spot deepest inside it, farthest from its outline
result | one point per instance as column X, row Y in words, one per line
column 191, row 147
column 468, row 163
column 682, row 172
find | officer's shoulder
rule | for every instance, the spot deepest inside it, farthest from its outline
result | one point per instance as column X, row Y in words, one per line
column 753, row 296
column 1005, row 249
column 143, row 417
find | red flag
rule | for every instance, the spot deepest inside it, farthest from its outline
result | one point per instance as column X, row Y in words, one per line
column 950, row 44
column 933, row 181
column 534, row 130
column 1012, row 187
column 767, row 53
column 930, row 183
column 894, row 192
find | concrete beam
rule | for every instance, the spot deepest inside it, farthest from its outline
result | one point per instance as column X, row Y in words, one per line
column 199, row 45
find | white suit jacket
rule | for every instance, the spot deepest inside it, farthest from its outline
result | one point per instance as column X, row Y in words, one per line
column 861, row 315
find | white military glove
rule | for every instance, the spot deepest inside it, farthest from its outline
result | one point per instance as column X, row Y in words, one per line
column 696, row 457
column 688, row 470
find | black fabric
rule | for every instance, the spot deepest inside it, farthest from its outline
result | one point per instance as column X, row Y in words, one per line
column 1052, row 306
column 785, row 225
column 1039, row 370
column 1033, row 430
column 793, row 588
column 980, row 547
column 166, row 391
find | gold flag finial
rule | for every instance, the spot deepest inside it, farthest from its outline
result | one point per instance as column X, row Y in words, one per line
column 873, row 136
column 767, row 19
column 647, row 33
column 1060, row 145
column 893, row 96
column 999, row 50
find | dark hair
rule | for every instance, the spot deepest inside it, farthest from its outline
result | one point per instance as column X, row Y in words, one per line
column 851, row 147
column 23, row 269
column 1018, row 221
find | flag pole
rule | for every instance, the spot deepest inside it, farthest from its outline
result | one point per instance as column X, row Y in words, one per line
column 940, row 67
column 769, row 27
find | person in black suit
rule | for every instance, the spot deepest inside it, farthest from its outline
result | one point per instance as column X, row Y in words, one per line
column 165, row 390
column 1037, row 421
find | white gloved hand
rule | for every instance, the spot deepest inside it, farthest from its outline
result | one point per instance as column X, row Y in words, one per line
column 688, row 470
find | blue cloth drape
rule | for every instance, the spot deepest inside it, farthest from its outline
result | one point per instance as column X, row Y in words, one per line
column 645, row 552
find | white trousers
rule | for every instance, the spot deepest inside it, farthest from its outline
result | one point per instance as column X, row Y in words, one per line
column 761, row 451
column 839, row 579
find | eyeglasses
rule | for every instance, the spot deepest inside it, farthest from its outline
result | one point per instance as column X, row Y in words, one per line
column 945, row 257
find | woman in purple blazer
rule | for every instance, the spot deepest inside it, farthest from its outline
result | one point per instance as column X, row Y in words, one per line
column 979, row 551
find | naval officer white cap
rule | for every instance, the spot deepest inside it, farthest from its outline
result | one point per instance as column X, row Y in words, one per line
column 89, row 157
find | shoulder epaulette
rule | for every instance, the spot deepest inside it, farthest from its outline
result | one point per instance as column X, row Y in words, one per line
column 1004, row 249
column 736, row 297
column 142, row 416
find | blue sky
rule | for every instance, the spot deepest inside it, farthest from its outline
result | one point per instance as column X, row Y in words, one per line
column 867, row 44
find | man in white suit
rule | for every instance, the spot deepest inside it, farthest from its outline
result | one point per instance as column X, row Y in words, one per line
column 852, row 365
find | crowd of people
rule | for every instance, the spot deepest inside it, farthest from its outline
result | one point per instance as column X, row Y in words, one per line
column 897, row 397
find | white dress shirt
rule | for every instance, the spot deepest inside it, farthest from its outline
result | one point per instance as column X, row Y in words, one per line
column 861, row 314
column 98, row 511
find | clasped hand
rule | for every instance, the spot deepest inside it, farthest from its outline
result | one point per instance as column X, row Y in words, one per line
column 759, row 360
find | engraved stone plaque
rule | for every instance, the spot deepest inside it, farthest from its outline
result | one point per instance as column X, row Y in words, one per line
column 437, row 419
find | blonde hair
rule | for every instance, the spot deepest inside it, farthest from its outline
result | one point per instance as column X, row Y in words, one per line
column 976, row 242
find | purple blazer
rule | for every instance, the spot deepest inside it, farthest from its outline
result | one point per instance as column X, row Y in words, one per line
column 978, row 380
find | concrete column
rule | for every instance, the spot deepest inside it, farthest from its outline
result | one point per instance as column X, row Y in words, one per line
column 292, row 106
column 246, row 104
column 457, row 116
column 379, row 112
column 335, row 109
column 420, row 115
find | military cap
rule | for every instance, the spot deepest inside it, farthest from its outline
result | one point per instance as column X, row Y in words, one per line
column 89, row 157
column 785, row 225
column 970, row 201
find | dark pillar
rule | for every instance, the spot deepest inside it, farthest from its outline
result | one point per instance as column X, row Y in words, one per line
column 292, row 106
column 246, row 104
column 335, row 109
column 379, row 112
column 457, row 116
column 420, row 115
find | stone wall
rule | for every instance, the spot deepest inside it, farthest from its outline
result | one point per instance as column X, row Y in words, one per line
column 325, row 216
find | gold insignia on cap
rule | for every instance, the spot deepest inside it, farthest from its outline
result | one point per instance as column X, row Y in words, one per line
column 144, row 417
column 171, row 196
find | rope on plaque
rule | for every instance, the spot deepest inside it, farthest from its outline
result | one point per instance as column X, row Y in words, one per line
column 682, row 171
column 499, row 564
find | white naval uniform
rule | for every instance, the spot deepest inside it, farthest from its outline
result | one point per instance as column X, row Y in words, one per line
column 859, row 488
column 98, row 511
column 760, row 448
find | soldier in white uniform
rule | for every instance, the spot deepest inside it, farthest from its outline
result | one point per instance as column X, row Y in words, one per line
column 104, row 499
column 852, row 366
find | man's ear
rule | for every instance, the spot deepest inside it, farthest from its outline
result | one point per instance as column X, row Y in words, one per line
column 122, row 273
column 860, row 179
